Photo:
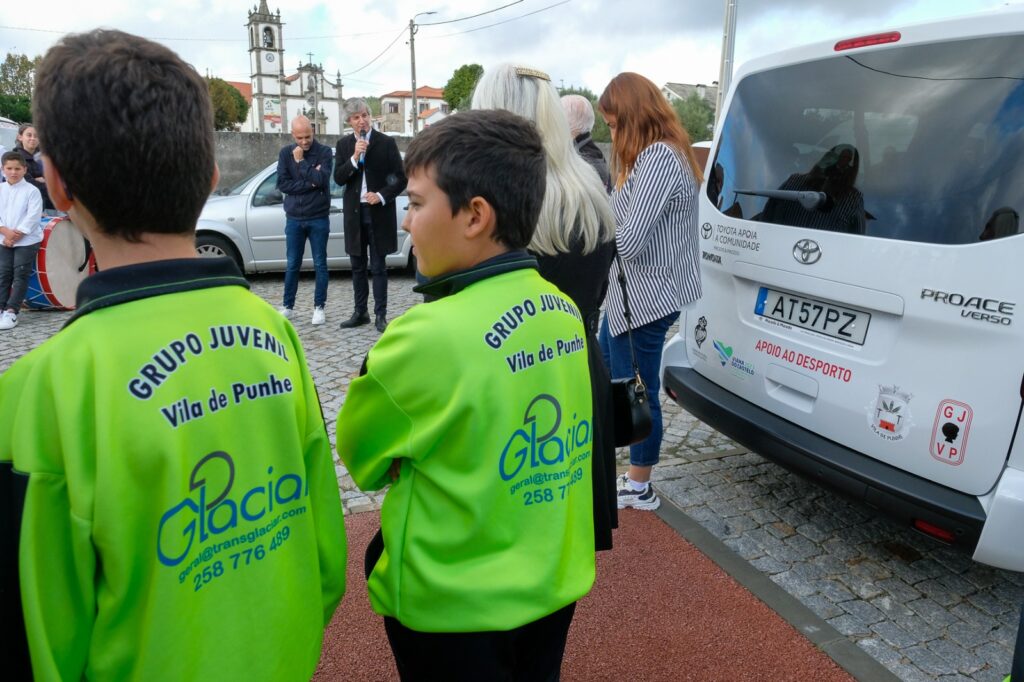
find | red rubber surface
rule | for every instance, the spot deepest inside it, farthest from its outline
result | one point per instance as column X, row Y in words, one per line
column 660, row 610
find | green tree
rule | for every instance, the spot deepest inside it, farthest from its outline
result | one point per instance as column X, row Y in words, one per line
column 241, row 105
column 696, row 115
column 600, row 132
column 227, row 113
column 16, row 107
column 17, row 73
column 374, row 104
column 458, row 91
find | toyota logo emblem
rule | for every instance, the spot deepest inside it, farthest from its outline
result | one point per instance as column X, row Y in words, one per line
column 705, row 230
column 807, row 252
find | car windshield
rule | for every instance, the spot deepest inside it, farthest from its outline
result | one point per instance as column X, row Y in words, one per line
column 920, row 143
column 8, row 136
column 237, row 189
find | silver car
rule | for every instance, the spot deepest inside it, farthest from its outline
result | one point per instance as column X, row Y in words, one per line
column 247, row 224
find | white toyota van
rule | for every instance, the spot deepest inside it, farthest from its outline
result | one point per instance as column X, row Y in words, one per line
column 863, row 314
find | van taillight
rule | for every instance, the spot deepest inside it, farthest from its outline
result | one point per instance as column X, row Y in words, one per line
column 934, row 531
column 865, row 41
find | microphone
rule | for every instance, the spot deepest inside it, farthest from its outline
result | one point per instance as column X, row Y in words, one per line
column 362, row 156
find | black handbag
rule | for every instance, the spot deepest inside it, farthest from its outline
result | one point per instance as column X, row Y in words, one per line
column 631, row 409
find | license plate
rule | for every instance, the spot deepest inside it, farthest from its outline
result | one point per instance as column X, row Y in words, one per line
column 832, row 320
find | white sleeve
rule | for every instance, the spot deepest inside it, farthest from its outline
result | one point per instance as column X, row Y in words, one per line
column 32, row 212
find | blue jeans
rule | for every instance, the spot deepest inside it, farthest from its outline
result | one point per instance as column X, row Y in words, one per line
column 296, row 232
column 649, row 341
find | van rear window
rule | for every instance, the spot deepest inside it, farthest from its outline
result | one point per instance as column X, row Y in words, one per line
column 922, row 143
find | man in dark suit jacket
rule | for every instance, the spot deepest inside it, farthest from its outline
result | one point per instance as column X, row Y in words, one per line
column 369, row 167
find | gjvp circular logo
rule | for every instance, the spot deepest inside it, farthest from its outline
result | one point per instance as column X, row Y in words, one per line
column 807, row 252
column 705, row 230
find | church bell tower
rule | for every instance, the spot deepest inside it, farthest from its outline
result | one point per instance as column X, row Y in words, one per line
column 266, row 61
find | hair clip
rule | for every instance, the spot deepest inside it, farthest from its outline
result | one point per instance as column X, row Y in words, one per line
column 532, row 73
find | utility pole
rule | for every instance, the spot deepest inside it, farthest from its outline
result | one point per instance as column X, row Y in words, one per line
column 412, row 56
column 728, row 47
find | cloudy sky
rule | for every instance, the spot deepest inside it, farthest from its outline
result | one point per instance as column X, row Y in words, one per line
column 579, row 42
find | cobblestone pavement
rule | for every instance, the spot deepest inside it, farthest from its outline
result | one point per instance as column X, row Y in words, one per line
column 922, row 610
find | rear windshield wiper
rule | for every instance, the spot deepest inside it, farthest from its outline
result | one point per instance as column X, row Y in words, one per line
column 811, row 201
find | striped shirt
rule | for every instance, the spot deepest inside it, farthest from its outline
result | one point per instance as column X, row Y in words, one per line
column 656, row 234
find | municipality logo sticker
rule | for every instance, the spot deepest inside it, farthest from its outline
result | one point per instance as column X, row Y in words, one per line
column 889, row 416
column 700, row 332
column 724, row 352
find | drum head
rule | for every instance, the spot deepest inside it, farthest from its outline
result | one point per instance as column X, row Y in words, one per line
column 60, row 262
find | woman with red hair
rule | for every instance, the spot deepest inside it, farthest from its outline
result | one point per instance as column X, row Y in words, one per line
column 656, row 179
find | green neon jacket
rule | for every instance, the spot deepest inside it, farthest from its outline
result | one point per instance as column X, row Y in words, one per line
column 483, row 398
column 161, row 538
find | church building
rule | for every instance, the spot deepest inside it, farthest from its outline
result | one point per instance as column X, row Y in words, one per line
column 277, row 98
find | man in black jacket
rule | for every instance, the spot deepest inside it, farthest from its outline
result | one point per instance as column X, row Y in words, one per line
column 304, row 177
column 370, row 169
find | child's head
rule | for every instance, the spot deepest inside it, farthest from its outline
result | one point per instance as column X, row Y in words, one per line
column 14, row 167
column 471, row 159
column 128, row 126
column 27, row 138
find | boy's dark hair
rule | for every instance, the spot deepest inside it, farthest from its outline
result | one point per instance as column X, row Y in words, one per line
column 129, row 126
column 491, row 154
column 13, row 156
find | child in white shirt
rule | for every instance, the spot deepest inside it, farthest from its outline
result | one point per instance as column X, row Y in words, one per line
column 21, row 206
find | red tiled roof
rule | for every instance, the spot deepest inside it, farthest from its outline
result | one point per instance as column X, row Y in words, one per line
column 424, row 91
column 427, row 113
column 244, row 88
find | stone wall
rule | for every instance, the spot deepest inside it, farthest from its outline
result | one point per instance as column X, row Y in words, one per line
column 239, row 155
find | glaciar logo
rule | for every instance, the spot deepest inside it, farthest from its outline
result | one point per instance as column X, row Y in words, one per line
column 542, row 441
column 713, row 257
column 210, row 509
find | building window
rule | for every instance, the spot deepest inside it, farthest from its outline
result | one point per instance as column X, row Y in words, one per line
column 268, row 37
column 444, row 108
column 424, row 106
column 392, row 107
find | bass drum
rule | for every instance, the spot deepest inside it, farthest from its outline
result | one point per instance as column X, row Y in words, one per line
column 63, row 261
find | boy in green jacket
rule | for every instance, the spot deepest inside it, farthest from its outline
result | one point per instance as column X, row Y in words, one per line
column 170, row 506
column 478, row 406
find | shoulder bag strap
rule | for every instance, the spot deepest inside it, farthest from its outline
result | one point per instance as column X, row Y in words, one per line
column 629, row 322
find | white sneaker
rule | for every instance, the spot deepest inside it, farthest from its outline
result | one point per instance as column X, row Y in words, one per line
column 8, row 320
column 287, row 312
column 318, row 315
column 645, row 499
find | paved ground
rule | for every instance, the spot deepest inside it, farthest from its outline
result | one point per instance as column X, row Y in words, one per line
column 625, row 629
column 923, row 611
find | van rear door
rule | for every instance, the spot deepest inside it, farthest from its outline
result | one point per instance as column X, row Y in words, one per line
column 862, row 256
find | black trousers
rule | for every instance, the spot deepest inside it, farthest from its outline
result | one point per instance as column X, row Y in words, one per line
column 529, row 653
column 377, row 268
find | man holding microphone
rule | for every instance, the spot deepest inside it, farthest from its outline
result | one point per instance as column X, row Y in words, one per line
column 369, row 167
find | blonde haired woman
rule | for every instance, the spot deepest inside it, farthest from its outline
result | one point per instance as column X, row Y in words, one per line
column 573, row 245
column 656, row 179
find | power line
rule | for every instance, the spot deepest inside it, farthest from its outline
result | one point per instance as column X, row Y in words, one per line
column 381, row 54
column 473, row 16
column 480, row 28
column 207, row 40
